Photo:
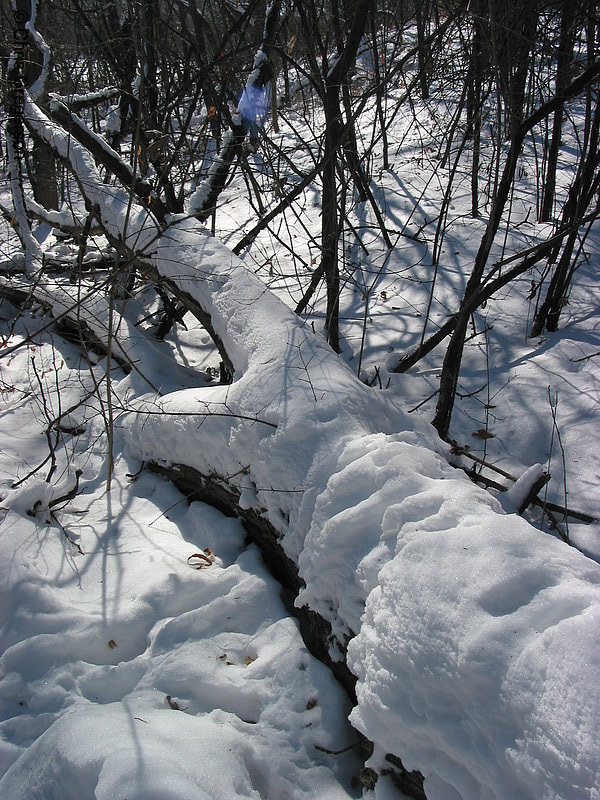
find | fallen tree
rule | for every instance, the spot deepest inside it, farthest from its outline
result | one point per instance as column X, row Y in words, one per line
column 465, row 627
column 468, row 637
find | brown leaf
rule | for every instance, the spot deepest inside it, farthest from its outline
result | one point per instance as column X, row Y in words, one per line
column 200, row 560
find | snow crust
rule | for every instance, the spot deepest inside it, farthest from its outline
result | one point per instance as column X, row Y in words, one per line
column 482, row 671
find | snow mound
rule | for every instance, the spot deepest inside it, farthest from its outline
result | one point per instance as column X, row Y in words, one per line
column 479, row 674
column 477, row 636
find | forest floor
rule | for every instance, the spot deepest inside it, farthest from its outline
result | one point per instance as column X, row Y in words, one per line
column 146, row 651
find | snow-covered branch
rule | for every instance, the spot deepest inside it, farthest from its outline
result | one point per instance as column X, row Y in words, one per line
column 107, row 156
column 244, row 120
column 118, row 213
column 76, row 101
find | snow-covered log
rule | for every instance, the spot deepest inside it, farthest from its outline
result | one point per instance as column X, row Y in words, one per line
column 473, row 636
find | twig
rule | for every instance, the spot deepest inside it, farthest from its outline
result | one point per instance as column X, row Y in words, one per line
column 188, row 414
column 553, row 408
column 64, row 530
column 69, row 495
column 459, row 450
column 477, row 477
column 422, row 403
column 48, row 431
column 585, row 358
column 548, row 507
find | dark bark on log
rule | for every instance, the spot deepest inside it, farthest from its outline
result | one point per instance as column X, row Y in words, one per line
column 214, row 490
column 316, row 631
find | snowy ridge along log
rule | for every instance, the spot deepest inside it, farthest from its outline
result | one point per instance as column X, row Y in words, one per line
column 472, row 636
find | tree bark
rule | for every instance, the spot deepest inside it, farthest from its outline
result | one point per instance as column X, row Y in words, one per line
column 584, row 188
column 332, row 81
column 422, row 14
column 453, row 358
column 563, row 72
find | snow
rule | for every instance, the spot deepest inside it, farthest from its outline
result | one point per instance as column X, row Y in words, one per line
column 478, row 663
column 87, row 98
column 199, row 197
column 123, row 219
column 518, row 493
column 113, row 122
column 124, row 668
column 128, row 672
column 33, row 251
column 57, row 103
column 65, row 218
column 455, row 644
column 526, row 634
column 37, row 89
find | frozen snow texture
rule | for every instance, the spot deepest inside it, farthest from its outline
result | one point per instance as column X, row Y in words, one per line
column 126, row 673
column 478, row 670
column 479, row 643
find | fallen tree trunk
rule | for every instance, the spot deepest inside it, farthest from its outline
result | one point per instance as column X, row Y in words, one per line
column 213, row 490
column 316, row 631
column 465, row 627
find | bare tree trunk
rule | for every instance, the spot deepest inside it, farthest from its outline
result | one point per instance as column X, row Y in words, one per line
column 475, row 99
column 584, row 189
column 379, row 93
column 514, row 67
column 422, row 13
column 329, row 217
column 453, row 358
column 563, row 72
column 332, row 80
column 44, row 184
column 36, row 71
column 150, row 18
